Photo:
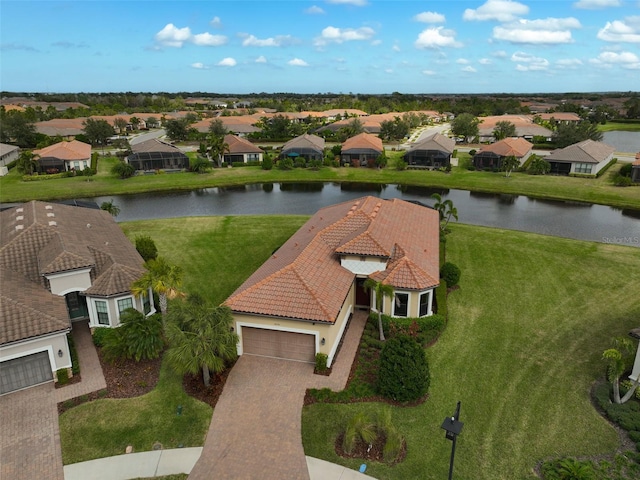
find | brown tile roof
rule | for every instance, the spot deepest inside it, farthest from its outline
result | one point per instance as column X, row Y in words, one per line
column 40, row 238
column 518, row 147
column 524, row 125
column 436, row 141
column 363, row 141
column 306, row 141
column 560, row 116
column 587, row 151
column 27, row 310
column 6, row 149
column 304, row 279
column 154, row 145
column 241, row 145
column 73, row 150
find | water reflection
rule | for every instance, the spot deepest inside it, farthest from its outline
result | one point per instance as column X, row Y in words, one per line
column 301, row 187
column 361, row 187
column 421, row 191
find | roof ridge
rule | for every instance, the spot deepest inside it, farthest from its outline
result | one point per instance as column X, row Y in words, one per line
column 310, row 291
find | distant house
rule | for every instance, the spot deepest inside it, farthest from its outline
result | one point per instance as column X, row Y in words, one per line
column 432, row 152
column 298, row 303
column 59, row 264
column 490, row 157
column 241, row 150
column 64, row 156
column 560, row 117
column 525, row 127
column 635, row 169
column 587, row 157
column 8, row 154
column 361, row 150
column 155, row 154
column 311, row 147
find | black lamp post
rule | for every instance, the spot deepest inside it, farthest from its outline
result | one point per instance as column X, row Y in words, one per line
column 453, row 427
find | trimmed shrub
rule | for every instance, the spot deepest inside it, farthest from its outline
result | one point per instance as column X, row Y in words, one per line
column 612, row 162
column 404, row 371
column 441, row 299
column 63, row 376
column 99, row 335
column 321, row 362
column 285, row 164
column 75, row 364
column 622, row 181
column 138, row 337
column 625, row 170
column 146, row 247
column 267, row 163
column 450, row 273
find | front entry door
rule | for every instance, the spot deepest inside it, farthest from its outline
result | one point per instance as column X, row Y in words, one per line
column 363, row 297
column 76, row 306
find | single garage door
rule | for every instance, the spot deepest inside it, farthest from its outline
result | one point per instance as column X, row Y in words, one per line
column 274, row 343
column 25, row 372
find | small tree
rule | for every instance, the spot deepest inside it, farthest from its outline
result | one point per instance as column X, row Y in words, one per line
column 27, row 162
column 504, row 130
column 163, row 278
column 404, row 370
column 450, row 272
column 445, row 209
column 380, row 290
column 123, row 170
column 138, row 337
column 146, row 247
column 200, row 165
column 120, row 123
column 267, row 163
column 539, row 166
column 110, row 207
column 618, row 359
column 359, row 427
column 509, row 164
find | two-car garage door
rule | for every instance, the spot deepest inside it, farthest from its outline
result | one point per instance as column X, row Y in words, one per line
column 278, row 344
column 25, row 372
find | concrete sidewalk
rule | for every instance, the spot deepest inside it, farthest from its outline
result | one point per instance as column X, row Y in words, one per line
column 180, row 460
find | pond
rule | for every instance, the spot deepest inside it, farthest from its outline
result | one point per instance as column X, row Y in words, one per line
column 516, row 212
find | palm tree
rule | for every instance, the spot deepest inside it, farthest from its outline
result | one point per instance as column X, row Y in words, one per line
column 163, row 278
column 445, row 209
column 618, row 359
column 27, row 162
column 110, row 207
column 217, row 147
column 200, row 337
column 380, row 291
column 134, row 121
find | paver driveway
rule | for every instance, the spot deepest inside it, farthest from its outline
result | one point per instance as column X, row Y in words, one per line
column 255, row 431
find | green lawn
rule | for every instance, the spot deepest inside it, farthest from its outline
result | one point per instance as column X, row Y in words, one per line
column 105, row 427
column 601, row 191
column 522, row 348
column 629, row 127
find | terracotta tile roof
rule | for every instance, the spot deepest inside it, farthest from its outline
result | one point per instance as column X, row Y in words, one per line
column 436, row 141
column 363, row 141
column 241, row 145
column 73, row 150
column 637, row 160
column 587, row 151
column 518, row 147
column 304, row 279
column 560, row 116
column 524, row 125
column 27, row 310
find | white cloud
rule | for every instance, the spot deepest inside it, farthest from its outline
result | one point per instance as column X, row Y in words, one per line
column 339, row 35
column 462, row 61
column 568, row 63
column 596, row 4
column 527, row 62
column 627, row 60
column 216, row 22
column 547, row 31
column 208, row 40
column 500, row 10
column 627, row 30
column 199, row 65
column 172, row 36
column 429, row 17
column 469, row 69
column 314, row 10
column 388, row 70
column 277, row 41
column 357, row 3
column 298, row 62
column 436, row 37
column 500, row 54
column 261, row 59
column 396, row 48
column 485, row 61
column 428, row 72
column 227, row 62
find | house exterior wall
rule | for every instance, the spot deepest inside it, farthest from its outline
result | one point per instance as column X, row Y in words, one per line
column 49, row 343
column 9, row 157
column 96, row 305
column 66, row 282
column 413, row 310
column 596, row 167
column 361, row 265
column 635, row 173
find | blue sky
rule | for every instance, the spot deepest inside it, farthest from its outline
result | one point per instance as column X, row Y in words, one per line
column 358, row 46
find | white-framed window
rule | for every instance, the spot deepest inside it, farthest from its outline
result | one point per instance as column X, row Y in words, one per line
column 401, row 304
column 102, row 311
column 124, row 303
column 424, row 304
column 251, row 157
column 583, row 168
column 146, row 303
column 76, row 165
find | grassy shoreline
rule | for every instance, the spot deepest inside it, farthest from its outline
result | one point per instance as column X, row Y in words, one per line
column 597, row 191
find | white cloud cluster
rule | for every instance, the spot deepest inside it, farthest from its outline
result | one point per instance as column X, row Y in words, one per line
column 568, row 63
column 172, row 36
column 596, row 4
column 314, row 10
column 227, row 62
column 297, row 62
column 627, row 60
column 261, row 59
column 528, row 63
column 437, row 37
column 547, row 31
column 277, row 41
column 216, row 22
column 626, row 31
column 429, row 17
column 199, row 66
column 500, row 10
column 339, row 35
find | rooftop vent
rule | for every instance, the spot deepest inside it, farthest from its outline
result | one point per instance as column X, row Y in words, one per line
column 19, row 210
column 53, row 223
column 51, row 214
column 19, row 227
column 20, row 217
column 48, row 207
column 88, row 225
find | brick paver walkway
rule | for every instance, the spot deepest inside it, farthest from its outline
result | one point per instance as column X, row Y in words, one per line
column 29, row 431
column 255, row 432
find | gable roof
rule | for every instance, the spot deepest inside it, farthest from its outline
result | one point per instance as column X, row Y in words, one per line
column 362, row 142
column 154, row 145
column 436, row 141
column 73, row 150
column 304, row 279
column 6, row 149
column 306, row 141
column 518, row 147
column 240, row 145
column 587, row 151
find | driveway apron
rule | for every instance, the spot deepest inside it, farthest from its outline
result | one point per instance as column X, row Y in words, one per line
column 255, row 431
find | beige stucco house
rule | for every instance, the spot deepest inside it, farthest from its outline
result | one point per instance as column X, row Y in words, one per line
column 586, row 158
column 64, row 156
column 59, row 264
column 299, row 302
